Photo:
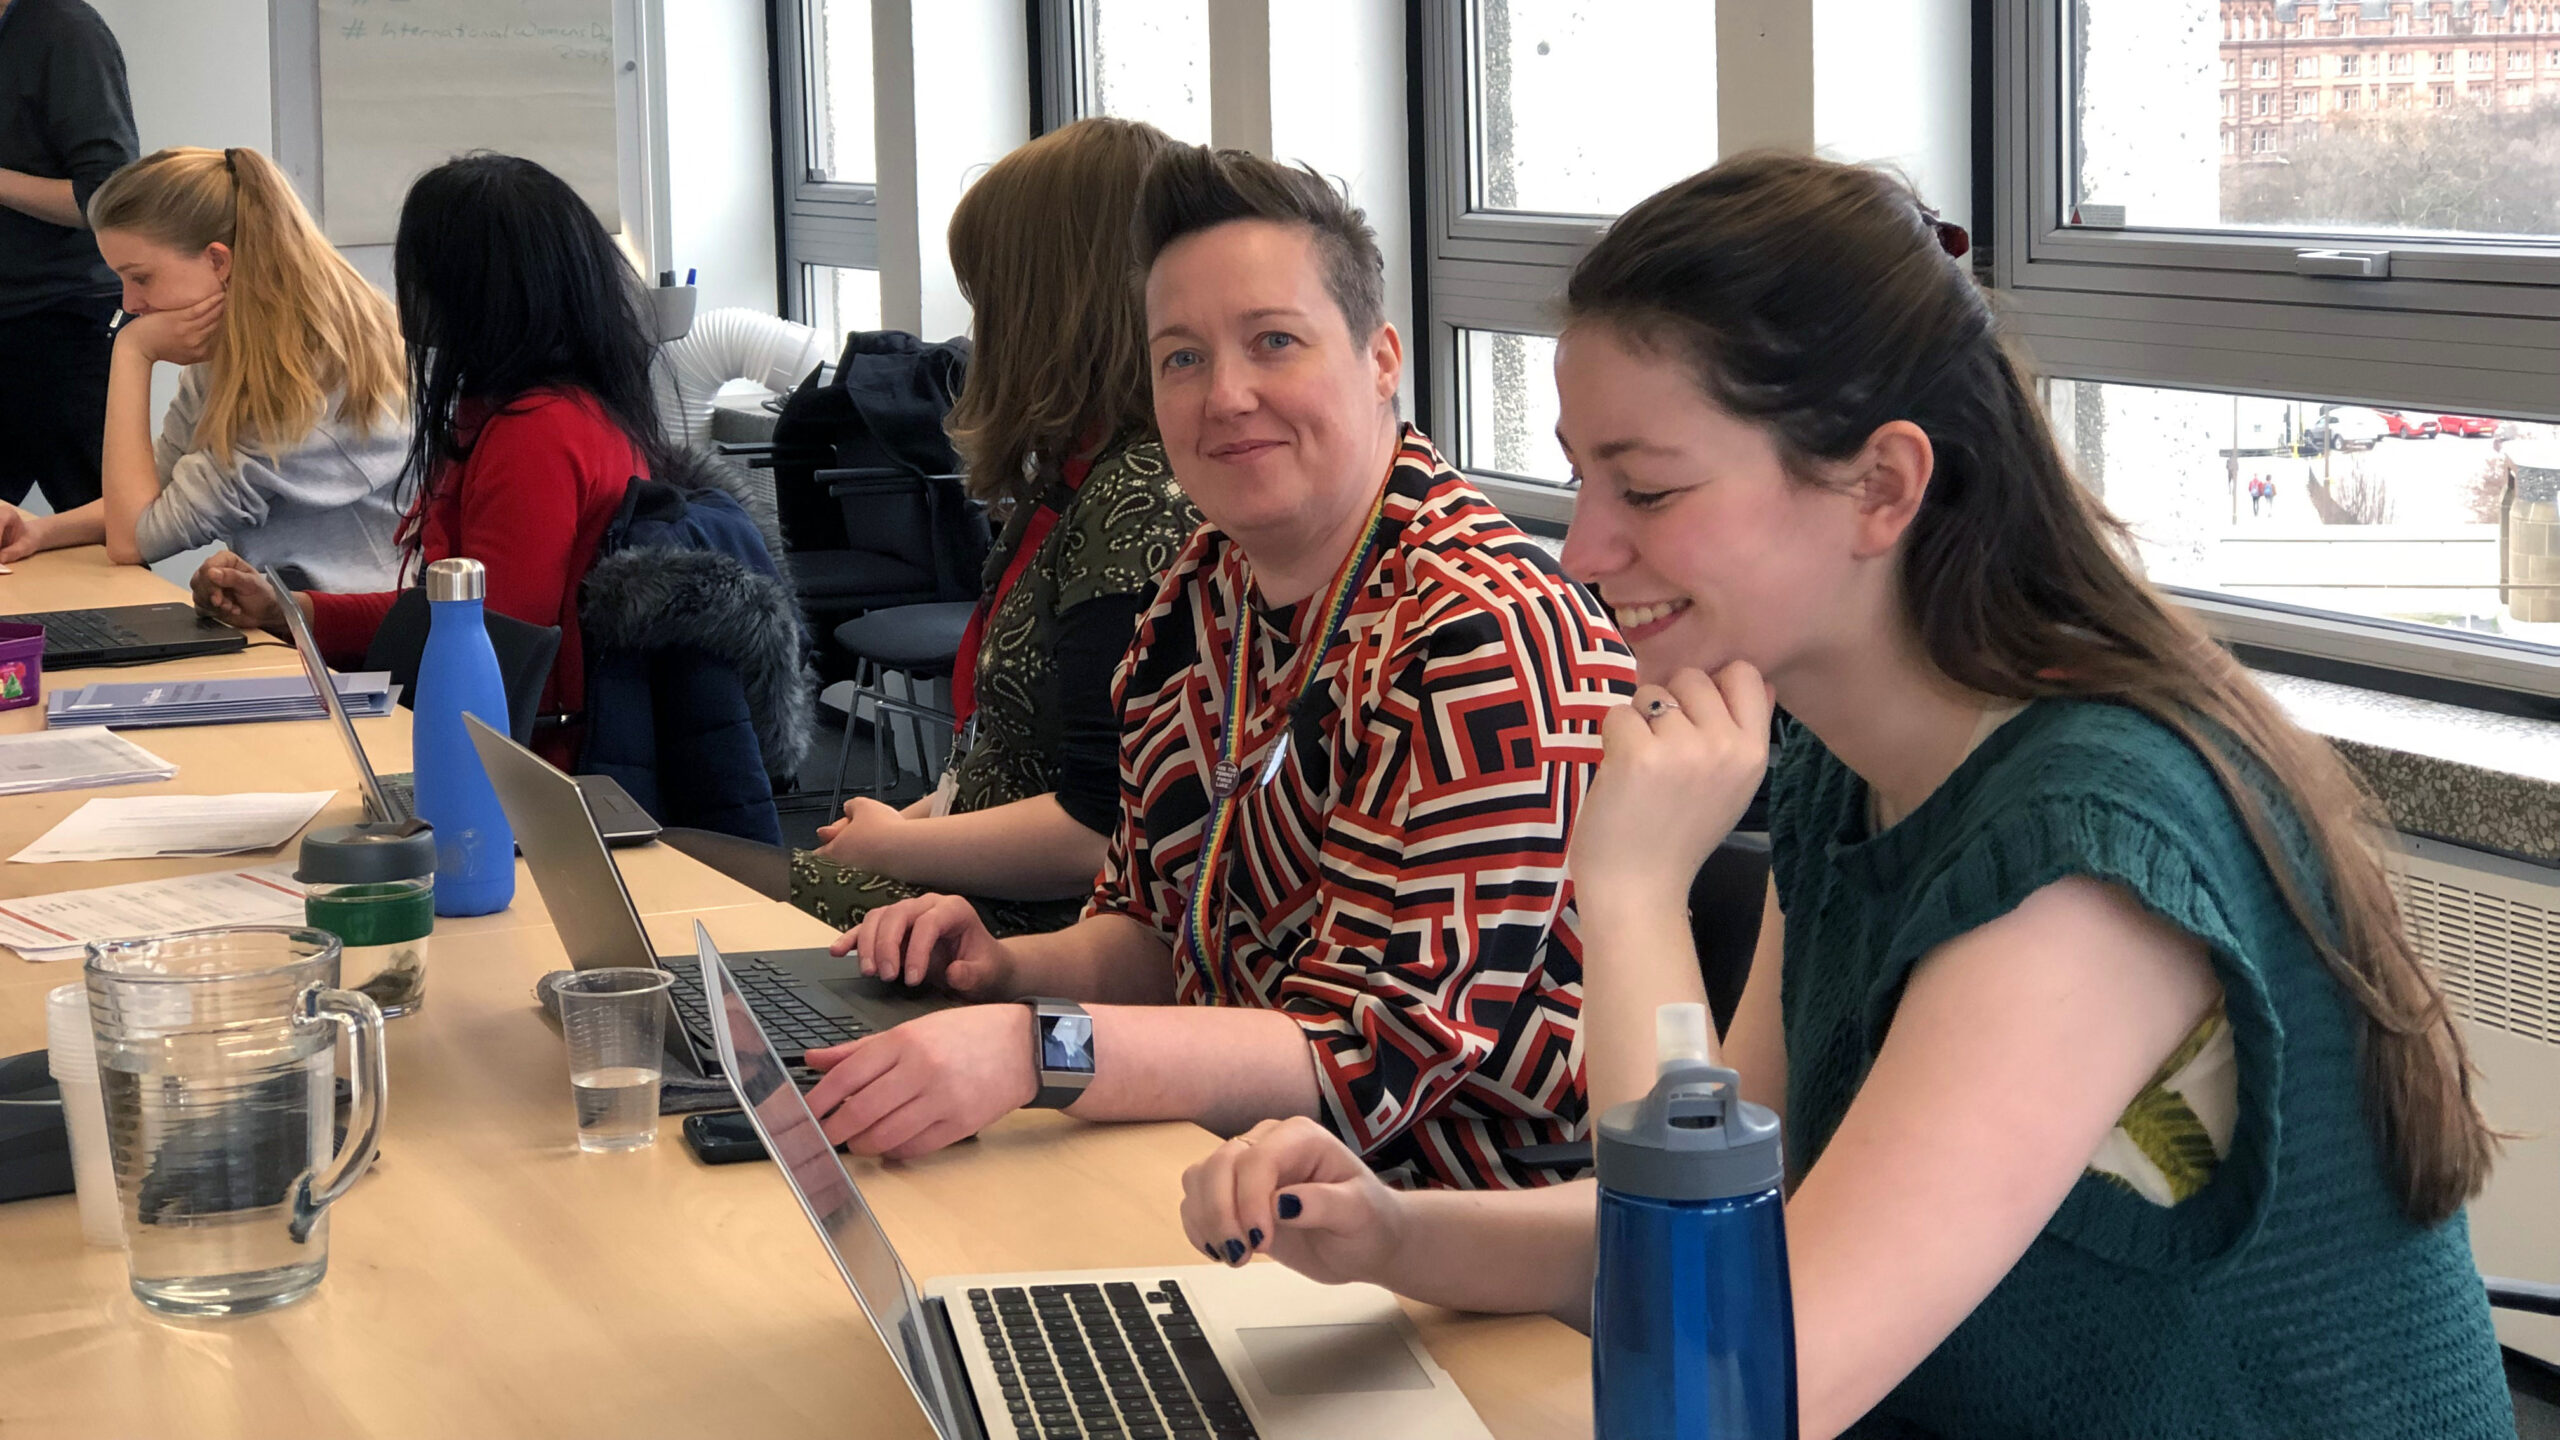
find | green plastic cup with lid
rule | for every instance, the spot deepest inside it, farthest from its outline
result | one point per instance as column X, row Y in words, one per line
column 374, row 887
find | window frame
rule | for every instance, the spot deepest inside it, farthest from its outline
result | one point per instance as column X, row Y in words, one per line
column 1478, row 270
column 2472, row 328
column 1061, row 82
column 816, row 222
column 2465, row 330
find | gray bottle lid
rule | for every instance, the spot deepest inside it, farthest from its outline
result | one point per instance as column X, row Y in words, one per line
column 1693, row 1138
column 457, row 579
column 376, row 852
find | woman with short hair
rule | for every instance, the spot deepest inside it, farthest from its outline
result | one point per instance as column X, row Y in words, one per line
column 1356, row 722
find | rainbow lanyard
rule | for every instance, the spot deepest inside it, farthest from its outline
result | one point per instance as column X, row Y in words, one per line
column 1226, row 787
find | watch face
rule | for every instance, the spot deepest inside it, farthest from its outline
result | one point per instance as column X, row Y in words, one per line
column 1066, row 1043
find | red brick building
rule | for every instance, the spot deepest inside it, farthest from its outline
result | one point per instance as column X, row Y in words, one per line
column 2290, row 67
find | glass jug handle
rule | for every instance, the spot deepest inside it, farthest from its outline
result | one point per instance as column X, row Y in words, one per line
column 363, row 1022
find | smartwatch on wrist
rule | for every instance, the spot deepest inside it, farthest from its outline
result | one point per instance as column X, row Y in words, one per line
column 1061, row 1051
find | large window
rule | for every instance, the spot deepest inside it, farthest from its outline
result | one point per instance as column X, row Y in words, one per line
column 1134, row 59
column 2313, row 361
column 2422, row 518
column 828, row 165
column 1543, row 119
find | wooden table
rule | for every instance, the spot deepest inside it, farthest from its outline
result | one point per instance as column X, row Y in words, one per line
column 487, row 1279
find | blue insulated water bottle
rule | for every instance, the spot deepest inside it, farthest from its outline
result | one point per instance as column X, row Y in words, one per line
column 458, row 675
column 1692, row 1329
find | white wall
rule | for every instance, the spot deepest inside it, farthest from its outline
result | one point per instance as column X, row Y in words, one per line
column 1893, row 84
column 1336, row 92
column 963, row 68
column 199, row 70
column 719, row 140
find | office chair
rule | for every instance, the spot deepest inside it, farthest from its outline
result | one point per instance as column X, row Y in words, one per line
column 921, row 642
column 1724, row 917
column 525, row 654
column 2533, row 1384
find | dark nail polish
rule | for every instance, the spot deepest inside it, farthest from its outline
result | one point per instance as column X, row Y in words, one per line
column 1253, row 1238
column 1289, row 1207
column 1235, row 1252
column 1210, row 1250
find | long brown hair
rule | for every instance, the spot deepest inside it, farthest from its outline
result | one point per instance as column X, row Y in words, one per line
column 299, row 325
column 1816, row 299
column 1040, row 246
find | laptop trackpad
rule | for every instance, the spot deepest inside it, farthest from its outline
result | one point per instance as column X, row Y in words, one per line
column 1332, row 1359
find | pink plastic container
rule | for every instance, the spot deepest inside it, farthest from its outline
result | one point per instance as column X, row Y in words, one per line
column 21, row 664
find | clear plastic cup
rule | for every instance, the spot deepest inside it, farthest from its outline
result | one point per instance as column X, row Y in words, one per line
column 71, row 1054
column 616, row 1024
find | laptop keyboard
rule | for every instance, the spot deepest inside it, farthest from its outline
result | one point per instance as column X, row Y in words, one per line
column 788, row 1020
column 68, row 632
column 1096, row 1360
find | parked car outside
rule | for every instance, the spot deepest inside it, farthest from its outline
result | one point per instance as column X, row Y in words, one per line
column 2409, row 427
column 2348, row 427
column 2465, row 425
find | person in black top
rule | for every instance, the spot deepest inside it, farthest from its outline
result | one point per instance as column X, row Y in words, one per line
column 66, row 124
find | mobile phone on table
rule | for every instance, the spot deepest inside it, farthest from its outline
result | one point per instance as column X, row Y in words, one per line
column 722, row 1138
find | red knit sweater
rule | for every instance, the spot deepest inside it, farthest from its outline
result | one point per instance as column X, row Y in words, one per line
column 531, row 500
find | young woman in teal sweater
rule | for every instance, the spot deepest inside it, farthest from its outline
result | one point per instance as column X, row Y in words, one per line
column 2117, row 1103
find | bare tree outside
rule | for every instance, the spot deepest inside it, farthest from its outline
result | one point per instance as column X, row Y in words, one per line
column 2463, row 168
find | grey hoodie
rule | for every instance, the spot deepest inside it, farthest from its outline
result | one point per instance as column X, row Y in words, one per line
column 327, row 505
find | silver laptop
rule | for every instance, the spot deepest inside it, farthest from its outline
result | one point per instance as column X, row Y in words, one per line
column 378, row 803
column 392, row 798
column 1173, row 1350
column 814, row 999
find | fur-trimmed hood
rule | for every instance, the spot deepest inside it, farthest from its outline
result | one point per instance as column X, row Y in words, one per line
column 649, row 596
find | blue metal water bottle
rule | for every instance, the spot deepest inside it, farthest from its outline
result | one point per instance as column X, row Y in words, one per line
column 1692, row 1328
column 458, row 675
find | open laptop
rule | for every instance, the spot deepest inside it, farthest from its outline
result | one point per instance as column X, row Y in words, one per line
column 394, row 798
column 130, row 635
column 1178, row 1350
column 813, row 999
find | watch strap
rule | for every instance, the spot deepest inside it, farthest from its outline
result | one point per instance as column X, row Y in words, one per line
column 1051, row 1096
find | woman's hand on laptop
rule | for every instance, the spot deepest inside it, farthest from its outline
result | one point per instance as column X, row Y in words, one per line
column 931, row 940
column 229, row 589
column 935, row 1079
column 1292, row 1190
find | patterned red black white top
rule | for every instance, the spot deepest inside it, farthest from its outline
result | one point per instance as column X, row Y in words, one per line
column 1398, row 887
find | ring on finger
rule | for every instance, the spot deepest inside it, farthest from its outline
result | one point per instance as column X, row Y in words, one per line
column 1660, row 705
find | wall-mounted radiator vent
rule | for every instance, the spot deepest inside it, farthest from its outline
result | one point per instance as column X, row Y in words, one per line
column 2491, row 929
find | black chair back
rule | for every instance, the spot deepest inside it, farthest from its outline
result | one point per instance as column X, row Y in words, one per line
column 918, row 527
column 525, row 653
column 1724, row 917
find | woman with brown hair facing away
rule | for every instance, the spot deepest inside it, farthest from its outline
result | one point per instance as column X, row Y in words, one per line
column 2117, row 1103
column 287, row 435
column 1057, row 432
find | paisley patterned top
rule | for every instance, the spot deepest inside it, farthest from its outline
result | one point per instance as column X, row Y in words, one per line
column 1116, row 536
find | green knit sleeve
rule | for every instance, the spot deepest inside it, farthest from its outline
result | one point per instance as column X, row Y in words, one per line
column 2141, row 812
column 1128, row 522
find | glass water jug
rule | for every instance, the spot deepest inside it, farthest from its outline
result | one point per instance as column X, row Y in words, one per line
column 217, row 1056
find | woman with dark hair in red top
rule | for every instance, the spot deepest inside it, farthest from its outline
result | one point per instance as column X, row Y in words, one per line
column 529, row 364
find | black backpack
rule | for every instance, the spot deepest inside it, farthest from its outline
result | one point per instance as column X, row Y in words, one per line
column 882, row 410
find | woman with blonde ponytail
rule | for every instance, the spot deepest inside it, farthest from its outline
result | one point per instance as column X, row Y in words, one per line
column 287, row 436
